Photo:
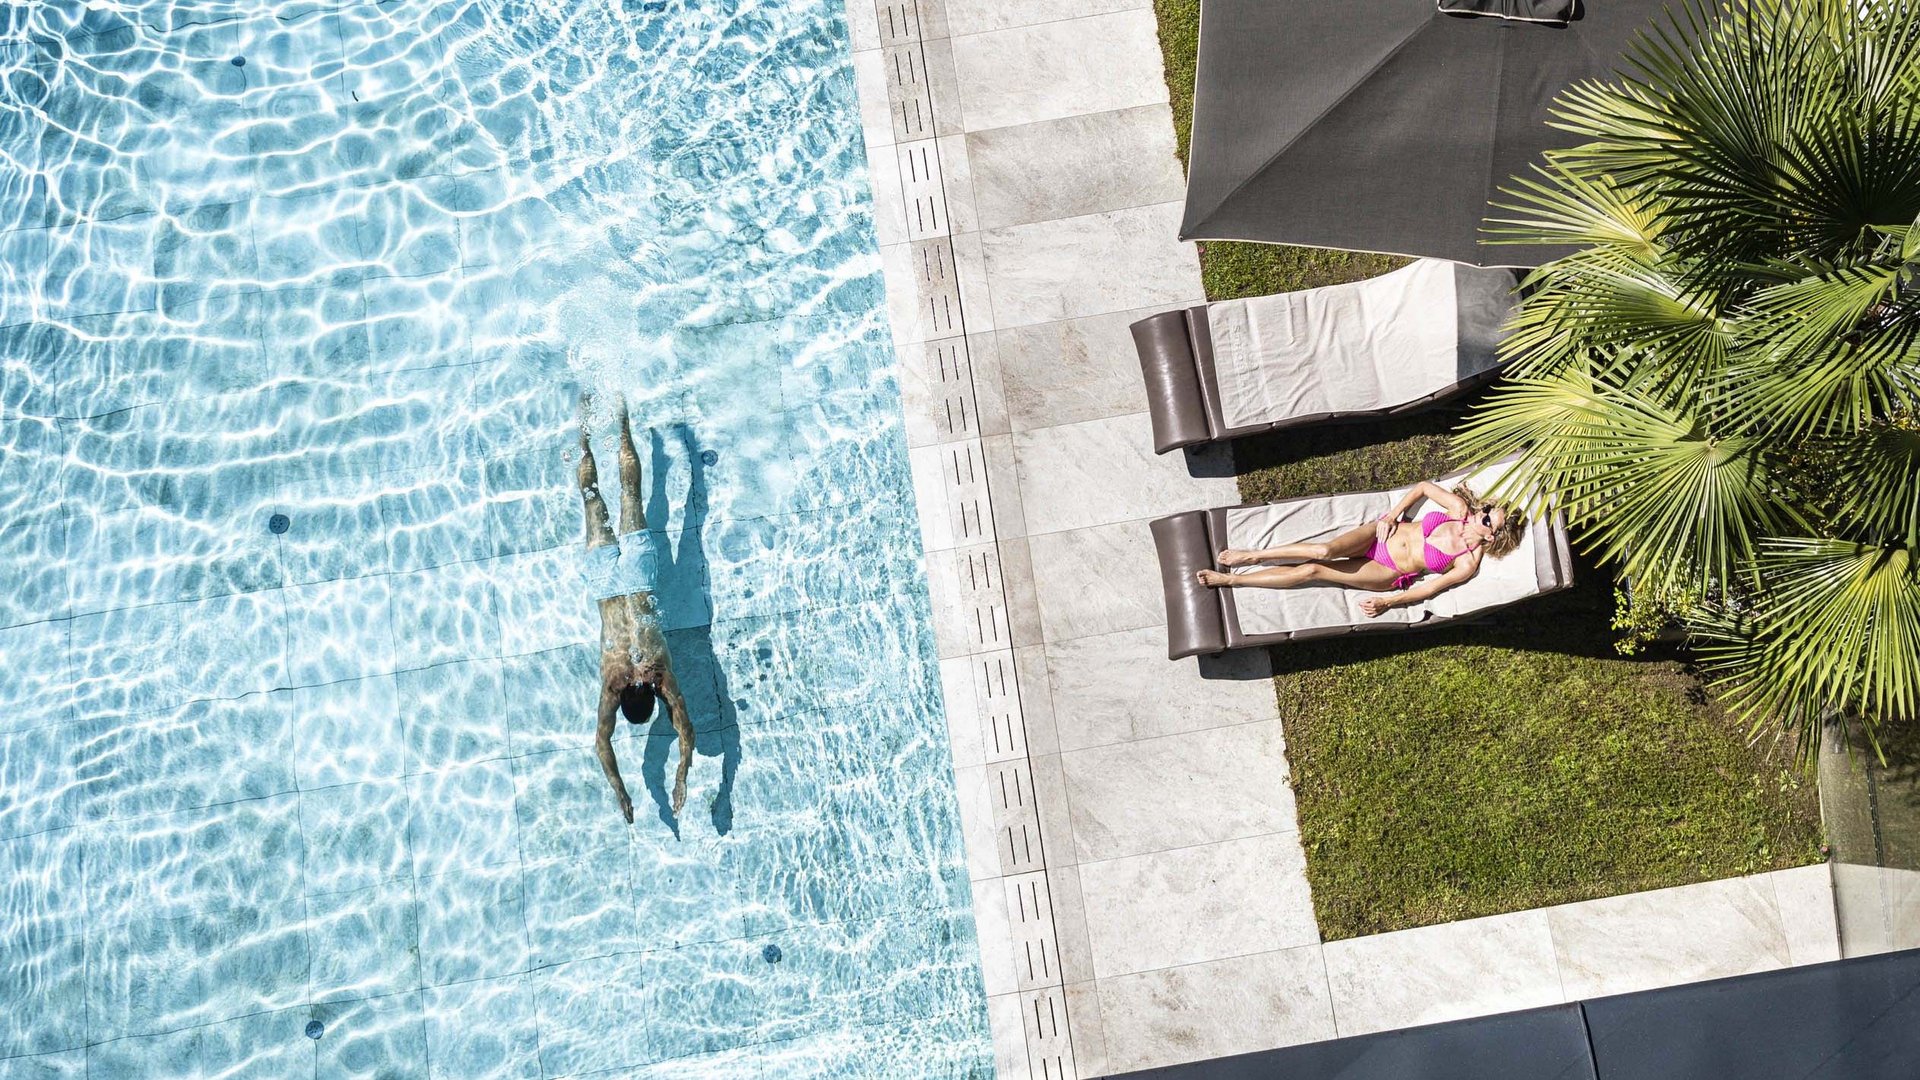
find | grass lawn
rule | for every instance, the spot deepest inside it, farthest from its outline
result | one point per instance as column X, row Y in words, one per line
column 1488, row 768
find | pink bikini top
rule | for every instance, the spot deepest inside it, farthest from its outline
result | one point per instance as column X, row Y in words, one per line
column 1437, row 560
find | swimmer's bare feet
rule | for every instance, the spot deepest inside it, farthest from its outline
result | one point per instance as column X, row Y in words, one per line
column 1213, row 579
column 1233, row 557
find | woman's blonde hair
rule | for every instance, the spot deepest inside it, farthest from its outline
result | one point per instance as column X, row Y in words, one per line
column 1513, row 526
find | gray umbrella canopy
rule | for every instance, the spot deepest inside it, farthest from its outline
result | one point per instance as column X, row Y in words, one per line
column 1383, row 125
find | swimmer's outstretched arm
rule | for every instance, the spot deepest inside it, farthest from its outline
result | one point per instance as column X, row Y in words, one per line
column 603, row 746
column 683, row 725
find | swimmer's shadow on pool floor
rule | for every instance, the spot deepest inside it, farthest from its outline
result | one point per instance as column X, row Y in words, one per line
column 683, row 577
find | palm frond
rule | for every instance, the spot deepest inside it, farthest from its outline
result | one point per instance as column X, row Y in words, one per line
column 1607, row 310
column 1837, row 626
column 1563, row 207
column 1657, row 490
column 1877, row 476
column 1830, row 352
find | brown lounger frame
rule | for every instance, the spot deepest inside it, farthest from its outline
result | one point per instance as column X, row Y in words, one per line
column 1183, row 386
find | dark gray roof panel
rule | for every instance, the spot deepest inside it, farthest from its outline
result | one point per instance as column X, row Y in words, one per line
column 1847, row 1020
column 1853, row 1020
column 1539, row 1044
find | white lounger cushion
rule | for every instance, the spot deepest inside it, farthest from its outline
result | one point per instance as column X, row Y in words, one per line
column 1278, row 611
column 1357, row 347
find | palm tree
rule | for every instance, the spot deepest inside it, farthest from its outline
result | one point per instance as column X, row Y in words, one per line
column 1722, row 384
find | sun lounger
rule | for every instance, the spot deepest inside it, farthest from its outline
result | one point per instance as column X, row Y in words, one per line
column 1386, row 345
column 1204, row 620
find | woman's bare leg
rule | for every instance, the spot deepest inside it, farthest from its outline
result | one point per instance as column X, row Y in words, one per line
column 598, row 532
column 1351, row 573
column 1353, row 542
column 1273, row 577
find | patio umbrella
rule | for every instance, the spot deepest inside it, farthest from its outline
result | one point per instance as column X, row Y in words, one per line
column 1385, row 125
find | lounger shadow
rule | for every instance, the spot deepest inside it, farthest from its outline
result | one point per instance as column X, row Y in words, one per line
column 1395, row 343
column 1203, row 620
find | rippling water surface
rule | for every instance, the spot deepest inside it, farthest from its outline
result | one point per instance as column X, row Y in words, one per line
column 343, row 270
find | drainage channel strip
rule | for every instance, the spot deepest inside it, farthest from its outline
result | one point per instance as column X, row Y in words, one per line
column 974, row 563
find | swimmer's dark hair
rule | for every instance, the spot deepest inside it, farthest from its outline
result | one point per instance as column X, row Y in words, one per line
column 636, row 702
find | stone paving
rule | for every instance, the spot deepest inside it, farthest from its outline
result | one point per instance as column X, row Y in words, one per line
column 1138, row 879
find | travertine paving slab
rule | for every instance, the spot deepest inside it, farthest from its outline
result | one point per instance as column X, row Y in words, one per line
column 1098, row 472
column 870, row 80
column 1903, row 907
column 1050, row 70
column 1686, row 934
column 1071, row 267
column 1878, row 908
column 1073, row 166
column 1439, row 973
column 1073, row 370
column 977, row 16
column 956, row 183
column 1096, row 581
column 1215, row 1009
column 1070, row 921
column 1124, row 689
column 1197, row 788
column 996, row 938
column 1804, row 896
column 1009, row 1035
column 1190, row 905
column 1089, row 1033
column 976, row 822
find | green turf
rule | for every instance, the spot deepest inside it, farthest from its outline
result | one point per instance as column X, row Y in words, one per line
column 1442, row 781
column 1502, row 765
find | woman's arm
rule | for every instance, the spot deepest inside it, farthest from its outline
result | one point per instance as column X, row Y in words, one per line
column 1446, row 500
column 1461, row 571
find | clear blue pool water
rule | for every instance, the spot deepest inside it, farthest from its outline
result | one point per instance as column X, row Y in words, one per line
column 342, row 773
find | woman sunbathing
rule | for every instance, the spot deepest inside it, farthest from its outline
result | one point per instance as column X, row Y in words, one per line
column 1447, row 543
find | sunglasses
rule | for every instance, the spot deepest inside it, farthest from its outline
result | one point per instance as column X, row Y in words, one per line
column 1486, row 519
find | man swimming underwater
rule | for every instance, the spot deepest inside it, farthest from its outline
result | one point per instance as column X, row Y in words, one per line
column 621, row 571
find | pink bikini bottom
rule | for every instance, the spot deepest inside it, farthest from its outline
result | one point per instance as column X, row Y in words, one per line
column 1381, row 555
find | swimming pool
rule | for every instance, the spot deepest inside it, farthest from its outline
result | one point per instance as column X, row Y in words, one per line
column 297, row 670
